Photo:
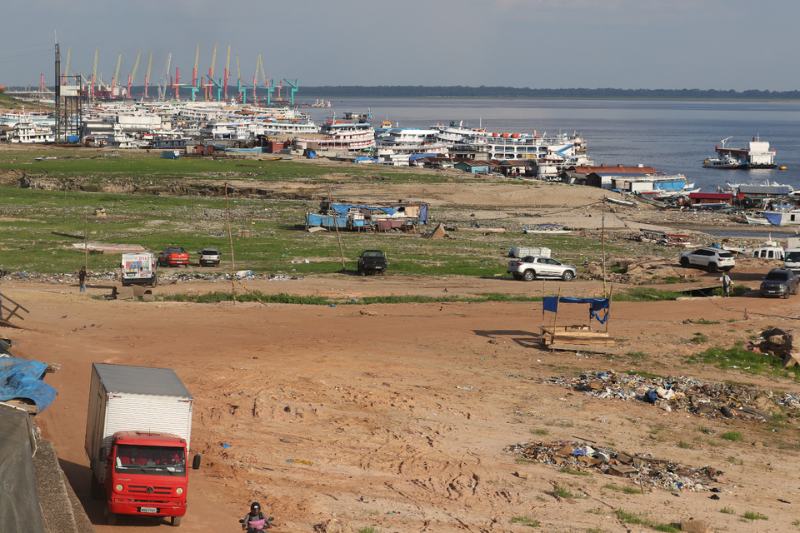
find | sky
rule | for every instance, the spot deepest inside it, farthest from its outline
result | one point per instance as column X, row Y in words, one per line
column 706, row 44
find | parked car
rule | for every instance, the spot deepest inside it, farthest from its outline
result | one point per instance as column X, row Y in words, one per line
column 711, row 258
column 532, row 267
column 372, row 262
column 209, row 257
column 780, row 282
column 173, row 256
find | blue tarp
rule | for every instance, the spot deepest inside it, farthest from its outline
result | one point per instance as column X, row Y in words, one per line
column 598, row 307
column 342, row 209
column 22, row 379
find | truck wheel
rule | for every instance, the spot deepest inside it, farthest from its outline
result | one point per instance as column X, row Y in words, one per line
column 175, row 521
column 685, row 262
column 567, row 275
column 529, row 275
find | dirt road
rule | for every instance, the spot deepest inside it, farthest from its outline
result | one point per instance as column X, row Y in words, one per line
column 397, row 416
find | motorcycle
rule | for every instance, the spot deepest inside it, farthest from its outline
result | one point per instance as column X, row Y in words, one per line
column 256, row 526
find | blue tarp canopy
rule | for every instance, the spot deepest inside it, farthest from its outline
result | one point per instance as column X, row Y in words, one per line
column 598, row 307
column 342, row 209
column 22, row 379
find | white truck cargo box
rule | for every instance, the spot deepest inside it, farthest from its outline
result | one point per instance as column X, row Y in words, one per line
column 522, row 251
column 134, row 398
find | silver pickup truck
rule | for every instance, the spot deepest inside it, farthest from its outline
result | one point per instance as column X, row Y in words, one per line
column 531, row 267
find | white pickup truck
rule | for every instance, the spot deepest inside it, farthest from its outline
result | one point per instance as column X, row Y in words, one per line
column 531, row 267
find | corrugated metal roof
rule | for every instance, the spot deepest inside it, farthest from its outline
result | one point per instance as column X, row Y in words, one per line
column 141, row 380
column 765, row 189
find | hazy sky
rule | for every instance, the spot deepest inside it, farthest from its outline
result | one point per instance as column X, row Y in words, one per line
column 737, row 44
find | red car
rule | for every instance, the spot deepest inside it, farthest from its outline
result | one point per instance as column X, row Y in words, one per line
column 173, row 256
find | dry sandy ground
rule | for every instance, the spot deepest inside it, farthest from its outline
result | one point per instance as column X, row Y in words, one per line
column 397, row 416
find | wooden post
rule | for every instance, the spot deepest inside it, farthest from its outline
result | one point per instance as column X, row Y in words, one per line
column 336, row 225
column 86, row 240
column 555, row 316
column 230, row 239
column 608, row 315
column 603, row 246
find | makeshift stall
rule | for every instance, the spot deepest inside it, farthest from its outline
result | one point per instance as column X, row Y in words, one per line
column 577, row 336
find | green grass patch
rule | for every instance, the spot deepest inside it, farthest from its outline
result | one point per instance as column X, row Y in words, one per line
column 369, row 529
column 640, row 520
column 562, row 492
column 539, row 431
column 573, row 471
column 738, row 357
column 752, row 515
column 727, row 510
column 625, row 489
column 646, row 294
column 699, row 338
column 525, row 521
column 638, row 356
column 684, row 445
column 284, row 298
column 700, row 322
column 733, row 436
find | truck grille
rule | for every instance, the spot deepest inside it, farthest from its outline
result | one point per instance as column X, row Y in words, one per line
column 143, row 489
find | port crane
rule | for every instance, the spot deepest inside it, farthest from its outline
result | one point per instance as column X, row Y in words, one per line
column 226, row 73
column 294, row 86
column 147, row 74
column 132, row 75
column 115, row 79
column 93, row 85
column 242, row 88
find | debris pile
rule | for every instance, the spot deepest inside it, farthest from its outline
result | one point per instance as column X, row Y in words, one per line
column 645, row 470
column 777, row 343
column 713, row 400
column 641, row 270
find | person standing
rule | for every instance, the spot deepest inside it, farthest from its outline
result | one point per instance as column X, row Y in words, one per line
column 727, row 282
column 82, row 278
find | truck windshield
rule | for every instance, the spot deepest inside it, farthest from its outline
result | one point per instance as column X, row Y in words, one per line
column 156, row 460
column 793, row 257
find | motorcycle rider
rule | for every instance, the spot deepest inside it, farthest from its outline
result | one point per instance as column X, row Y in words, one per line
column 255, row 521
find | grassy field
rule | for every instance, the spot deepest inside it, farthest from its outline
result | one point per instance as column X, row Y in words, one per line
column 94, row 166
column 272, row 237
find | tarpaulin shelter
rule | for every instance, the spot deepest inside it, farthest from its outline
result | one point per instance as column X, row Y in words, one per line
column 21, row 379
column 19, row 501
column 566, row 337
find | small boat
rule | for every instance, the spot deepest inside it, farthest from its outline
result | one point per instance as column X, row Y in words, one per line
column 756, row 221
column 618, row 201
column 783, row 218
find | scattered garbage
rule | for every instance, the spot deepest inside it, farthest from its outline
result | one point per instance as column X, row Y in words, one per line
column 245, row 274
column 777, row 343
column 713, row 400
column 643, row 469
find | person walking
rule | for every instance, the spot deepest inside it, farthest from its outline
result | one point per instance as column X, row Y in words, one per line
column 82, row 278
column 727, row 283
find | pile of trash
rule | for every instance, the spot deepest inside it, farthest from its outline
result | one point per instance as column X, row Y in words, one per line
column 776, row 342
column 640, row 270
column 645, row 470
column 165, row 277
column 713, row 400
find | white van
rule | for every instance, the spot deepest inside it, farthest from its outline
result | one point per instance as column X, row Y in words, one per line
column 140, row 269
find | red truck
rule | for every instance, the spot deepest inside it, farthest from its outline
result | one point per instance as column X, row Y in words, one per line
column 173, row 256
column 137, row 440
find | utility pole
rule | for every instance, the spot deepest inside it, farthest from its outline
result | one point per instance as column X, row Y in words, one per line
column 336, row 225
column 603, row 247
column 230, row 238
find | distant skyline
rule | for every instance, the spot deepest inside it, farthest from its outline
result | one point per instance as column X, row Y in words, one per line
column 629, row 44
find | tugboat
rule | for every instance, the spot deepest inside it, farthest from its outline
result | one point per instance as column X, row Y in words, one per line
column 757, row 154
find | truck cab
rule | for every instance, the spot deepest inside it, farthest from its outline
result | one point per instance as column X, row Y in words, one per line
column 146, row 474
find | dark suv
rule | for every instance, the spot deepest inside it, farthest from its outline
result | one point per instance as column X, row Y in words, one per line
column 372, row 262
column 779, row 282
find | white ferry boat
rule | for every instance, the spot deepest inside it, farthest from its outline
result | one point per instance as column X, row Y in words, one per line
column 559, row 151
column 408, row 141
column 354, row 133
column 28, row 132
column 757, row 154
